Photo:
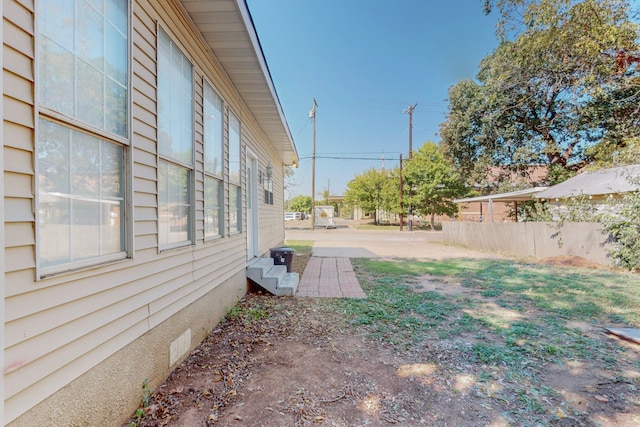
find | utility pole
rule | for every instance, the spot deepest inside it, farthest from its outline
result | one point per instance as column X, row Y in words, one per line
column 401, row 192
column 409, row 111
column 312, row 114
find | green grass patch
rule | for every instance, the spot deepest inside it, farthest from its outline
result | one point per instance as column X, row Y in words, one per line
column 410, row 267
column 572, row 293
column 247, row 315
column 392, row 311
column 495, row 354
column 390, row 268
column 395, row 312
column 380, row 227
column 301, row 246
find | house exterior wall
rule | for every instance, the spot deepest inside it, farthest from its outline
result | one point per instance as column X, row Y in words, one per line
column 78, row 345
column 2, row 230
column 481, row 212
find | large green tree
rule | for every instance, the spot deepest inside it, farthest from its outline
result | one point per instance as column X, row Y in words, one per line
column 431, row 183
column 562, row 82
column 367, row 191
column 391, row 201
column 300, row 204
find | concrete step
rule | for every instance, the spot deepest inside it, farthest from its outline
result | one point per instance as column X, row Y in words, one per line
column 275, row 275
column 273, row 278
column 289, row 285
column 260, row 266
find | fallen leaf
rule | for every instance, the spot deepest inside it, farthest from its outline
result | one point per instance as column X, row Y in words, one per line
column 177, row 390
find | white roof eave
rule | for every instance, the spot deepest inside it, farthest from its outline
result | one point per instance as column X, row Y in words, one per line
column 227, row 28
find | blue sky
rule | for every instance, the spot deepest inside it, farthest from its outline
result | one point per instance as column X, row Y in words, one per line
column 366, row 62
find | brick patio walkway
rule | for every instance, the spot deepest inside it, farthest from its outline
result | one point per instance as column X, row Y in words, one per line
column 330, row 278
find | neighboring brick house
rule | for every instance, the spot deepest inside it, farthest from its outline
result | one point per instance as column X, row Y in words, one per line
column 491, row 209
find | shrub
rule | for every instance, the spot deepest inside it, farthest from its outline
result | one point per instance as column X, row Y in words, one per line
column 624, row 228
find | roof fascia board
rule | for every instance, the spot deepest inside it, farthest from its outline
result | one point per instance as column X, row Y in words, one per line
column 257, row 47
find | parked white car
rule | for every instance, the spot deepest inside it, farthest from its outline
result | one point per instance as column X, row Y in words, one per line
column 289, row 216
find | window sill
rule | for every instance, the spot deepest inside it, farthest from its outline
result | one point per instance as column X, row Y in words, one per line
column 175, row 246
column 79, row 266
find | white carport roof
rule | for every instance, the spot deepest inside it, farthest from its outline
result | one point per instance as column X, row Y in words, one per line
column 228, row 29
column 596, row 183
column 512, row 196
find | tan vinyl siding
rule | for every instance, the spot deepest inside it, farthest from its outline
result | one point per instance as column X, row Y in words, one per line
column 20, row 13
column 19, row 112
column 92, row 349
column 17, row 87
column 20, row 234
column 60, row 327
column 15, row 280
column 19, row 258
column 144, row 134
column 18, row 128
column 17, row 184
column 18, row 63
column 198, row 131
column 18, row 160
column 18, row 37
column 17, row 136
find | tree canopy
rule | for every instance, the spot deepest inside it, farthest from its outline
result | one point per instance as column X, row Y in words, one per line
column 561, row 90
column 431, row 183
column 300, row 204
column 366, row 190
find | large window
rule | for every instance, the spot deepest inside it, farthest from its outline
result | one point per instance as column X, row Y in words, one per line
column 84, row 61
column 175, row 144
column 83, row 130
column 213, row 161
column 235, row 184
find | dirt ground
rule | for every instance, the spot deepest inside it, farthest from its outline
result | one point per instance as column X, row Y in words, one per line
column 295, row 362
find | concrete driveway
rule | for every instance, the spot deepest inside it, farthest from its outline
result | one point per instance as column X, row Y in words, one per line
column 348, row 242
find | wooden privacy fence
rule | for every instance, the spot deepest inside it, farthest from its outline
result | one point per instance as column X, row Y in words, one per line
column 533, row 239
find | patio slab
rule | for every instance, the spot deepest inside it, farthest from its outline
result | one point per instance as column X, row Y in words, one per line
column 329, row 277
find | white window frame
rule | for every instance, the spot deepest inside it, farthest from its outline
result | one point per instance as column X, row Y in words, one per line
column 233, row 184
column 50, row 115
column 172, row 160
column 267, row 186
column 212, row 175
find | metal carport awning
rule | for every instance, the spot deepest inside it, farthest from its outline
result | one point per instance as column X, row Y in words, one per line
column 512, row 196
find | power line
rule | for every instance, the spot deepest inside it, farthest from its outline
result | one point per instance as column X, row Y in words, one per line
column 350, row 154
column 340, row 158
